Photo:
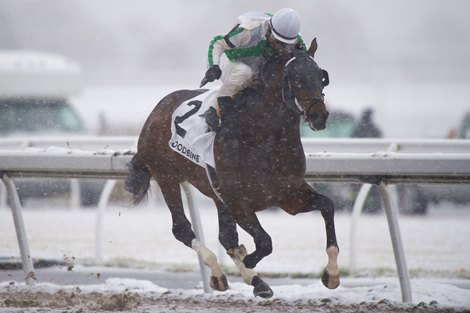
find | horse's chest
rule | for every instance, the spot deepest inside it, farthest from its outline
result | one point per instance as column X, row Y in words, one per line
column 277, row 162
column 258, row 164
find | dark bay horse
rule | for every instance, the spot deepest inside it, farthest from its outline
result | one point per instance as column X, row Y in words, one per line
column 259, row 160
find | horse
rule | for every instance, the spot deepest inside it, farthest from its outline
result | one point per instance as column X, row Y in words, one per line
column 259, row 160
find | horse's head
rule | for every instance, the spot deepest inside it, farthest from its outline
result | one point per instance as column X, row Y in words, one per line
column 302, row 87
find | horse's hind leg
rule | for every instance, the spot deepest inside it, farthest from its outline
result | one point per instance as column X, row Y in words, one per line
column 218, row 280
column 228, row 237
column 183, row 232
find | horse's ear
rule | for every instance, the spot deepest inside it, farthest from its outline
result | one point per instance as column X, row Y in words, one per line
column 313, row 47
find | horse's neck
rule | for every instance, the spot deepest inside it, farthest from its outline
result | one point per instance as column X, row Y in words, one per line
column 263, row 110
column 272, row 70
column 270, row 116
column 272, row 100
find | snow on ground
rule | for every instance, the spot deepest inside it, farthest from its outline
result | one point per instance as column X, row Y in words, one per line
column 431, row 297
column 435, row 245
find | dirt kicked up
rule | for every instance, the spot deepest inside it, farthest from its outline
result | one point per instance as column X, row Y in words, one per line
column 75, row 301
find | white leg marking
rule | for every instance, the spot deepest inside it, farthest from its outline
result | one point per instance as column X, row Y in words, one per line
column 332, row 267
column 208, row 257
column 237, row 255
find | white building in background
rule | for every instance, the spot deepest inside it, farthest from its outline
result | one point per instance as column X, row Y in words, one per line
column 35, row 93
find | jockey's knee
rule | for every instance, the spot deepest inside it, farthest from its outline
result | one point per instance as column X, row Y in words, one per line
column 242, row 75
column 236, row 76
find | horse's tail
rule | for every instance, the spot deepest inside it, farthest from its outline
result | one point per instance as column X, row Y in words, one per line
column 138, row 179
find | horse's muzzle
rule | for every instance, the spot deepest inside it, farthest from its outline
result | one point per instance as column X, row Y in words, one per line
column 317, row 120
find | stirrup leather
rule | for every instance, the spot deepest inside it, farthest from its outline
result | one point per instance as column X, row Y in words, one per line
column 213, row 177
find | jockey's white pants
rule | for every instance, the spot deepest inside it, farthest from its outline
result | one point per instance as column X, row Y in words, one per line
column 236, row 76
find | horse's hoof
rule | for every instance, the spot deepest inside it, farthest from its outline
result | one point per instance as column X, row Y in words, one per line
column 261, row 288
column 330, row 281
column 219, row 283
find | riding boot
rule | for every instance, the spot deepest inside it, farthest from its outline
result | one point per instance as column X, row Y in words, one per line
column 213, row 114
column 212, row 119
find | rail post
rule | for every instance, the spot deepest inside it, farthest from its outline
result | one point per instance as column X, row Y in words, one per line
column 398, row 250
column 197, row 227
column 15, row 204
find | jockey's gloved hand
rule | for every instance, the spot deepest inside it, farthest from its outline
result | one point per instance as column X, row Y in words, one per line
column 213, row 73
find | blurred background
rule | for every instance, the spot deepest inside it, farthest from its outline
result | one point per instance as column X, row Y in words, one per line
column 99, row 67
column 398, row 69
column 407, row 60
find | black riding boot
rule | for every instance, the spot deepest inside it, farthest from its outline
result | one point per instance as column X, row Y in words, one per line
column 211, row 117
column 212, row 120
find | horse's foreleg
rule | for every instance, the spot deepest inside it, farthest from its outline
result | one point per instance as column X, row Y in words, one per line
column 250, row 223
column 249, row 275
column 330, row 276
column 228, row 237
column 306, row 200
column 246, row 262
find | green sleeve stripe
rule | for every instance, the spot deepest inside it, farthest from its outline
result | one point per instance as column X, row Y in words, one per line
column 232, row 33
column 211, row 49
column 235, row 32
column 237, row 53
column 220, row 37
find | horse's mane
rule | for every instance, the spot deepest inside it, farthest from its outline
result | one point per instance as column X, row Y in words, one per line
column 268, row 64
column 269, row 58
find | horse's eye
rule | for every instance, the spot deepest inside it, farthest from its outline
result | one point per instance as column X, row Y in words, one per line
column 325, row 78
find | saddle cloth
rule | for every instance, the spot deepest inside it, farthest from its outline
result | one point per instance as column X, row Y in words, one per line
column 189, row 131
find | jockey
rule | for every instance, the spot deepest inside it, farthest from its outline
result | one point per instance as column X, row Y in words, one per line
column 249, row 38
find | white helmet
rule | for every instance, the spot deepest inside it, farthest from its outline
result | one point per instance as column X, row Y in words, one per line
column 285, row 25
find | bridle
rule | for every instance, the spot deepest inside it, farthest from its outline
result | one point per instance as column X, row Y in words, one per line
column 292, row 101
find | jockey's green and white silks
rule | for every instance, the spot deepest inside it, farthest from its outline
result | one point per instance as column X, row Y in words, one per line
column 246, row 39
column 243, row 45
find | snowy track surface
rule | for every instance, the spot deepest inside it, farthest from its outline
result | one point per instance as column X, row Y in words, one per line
column 139, row 240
